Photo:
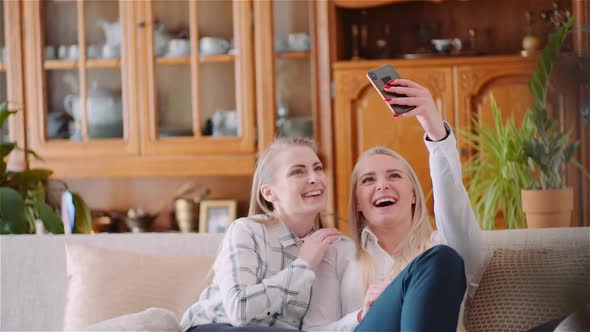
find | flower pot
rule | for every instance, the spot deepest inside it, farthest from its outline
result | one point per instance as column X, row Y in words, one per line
column 548, row 208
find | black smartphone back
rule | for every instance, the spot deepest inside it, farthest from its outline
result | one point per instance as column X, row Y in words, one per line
column 379, row 78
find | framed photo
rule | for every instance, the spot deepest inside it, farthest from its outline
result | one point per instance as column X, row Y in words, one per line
column 216, row 216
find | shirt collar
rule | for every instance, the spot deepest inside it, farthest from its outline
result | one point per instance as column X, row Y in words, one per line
column 287, row 237
column 367, row 235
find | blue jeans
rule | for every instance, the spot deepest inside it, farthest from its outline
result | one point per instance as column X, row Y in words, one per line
column 425, row 296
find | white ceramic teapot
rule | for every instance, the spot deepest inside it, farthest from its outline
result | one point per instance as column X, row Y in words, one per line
column 112, row 32
column 161, row 40
column 104, row 112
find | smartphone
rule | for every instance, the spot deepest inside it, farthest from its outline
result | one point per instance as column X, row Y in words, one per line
column 379, row 78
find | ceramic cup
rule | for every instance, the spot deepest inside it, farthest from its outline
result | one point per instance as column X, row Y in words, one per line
column 213, row 45
column 281, row 44
column 447, row 45
column 50, row 52
column 94, row 52
column 298, row 41
column 73, row 52
column 62, row 52
column 178, row 47
column 111, row 51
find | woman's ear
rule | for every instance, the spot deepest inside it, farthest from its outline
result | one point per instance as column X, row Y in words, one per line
column 414, row 198
column 267, row 193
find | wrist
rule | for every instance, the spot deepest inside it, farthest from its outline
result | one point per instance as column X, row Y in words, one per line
column 437, row 132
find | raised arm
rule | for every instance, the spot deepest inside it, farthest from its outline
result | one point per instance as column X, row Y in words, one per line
column 455, row 219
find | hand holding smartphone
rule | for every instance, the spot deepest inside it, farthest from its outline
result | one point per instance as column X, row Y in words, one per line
column 379, row 78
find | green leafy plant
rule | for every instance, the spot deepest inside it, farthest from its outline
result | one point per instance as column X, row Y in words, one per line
column 549, row 150
column 22, row 195
column 494, row 173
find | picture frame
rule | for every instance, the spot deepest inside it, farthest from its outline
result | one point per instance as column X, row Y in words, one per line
column 215, row 216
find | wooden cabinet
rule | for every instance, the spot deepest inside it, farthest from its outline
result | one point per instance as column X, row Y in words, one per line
column 11, row 82
column 132, row 88
column 460, row 89
column 569, row 99
column 507, row 79
column 166, row 86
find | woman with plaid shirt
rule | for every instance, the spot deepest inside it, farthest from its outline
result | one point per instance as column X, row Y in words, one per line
column 263, row 275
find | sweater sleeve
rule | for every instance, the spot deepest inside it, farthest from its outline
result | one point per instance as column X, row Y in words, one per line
column 455, row 220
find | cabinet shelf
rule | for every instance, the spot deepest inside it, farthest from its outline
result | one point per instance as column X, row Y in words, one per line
column 73, row 64
column 103, row 63
column 222, row 58
column 61, row 64
column 294, row 55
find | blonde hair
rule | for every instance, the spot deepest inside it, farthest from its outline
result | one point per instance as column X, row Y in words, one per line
column 414, row 243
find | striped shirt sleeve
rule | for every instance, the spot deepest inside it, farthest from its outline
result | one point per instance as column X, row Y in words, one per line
column 248, row 297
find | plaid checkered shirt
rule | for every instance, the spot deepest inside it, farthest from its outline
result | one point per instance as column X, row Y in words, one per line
column 258, row 279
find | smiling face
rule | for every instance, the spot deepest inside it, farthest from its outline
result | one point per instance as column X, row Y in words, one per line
column 298, row 184
column 384, row 191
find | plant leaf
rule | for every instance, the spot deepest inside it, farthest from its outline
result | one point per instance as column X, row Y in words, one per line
column 6, row 148
column 83, row 221
column 31, row 152
column 50, row 220
column 12, row 216
column 4, row 113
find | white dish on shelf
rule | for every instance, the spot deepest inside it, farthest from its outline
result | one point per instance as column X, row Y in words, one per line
column 213, row 46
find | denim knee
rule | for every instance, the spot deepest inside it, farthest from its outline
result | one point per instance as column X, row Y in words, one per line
column 445, row 259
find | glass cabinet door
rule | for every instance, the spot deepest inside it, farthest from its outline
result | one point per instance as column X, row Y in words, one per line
column 287, row 85
column 11, row 80
column 4, row 131
column 81, row 90
column 3, row 86
column 199, row 77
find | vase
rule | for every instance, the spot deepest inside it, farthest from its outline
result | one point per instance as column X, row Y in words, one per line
column 548, row 208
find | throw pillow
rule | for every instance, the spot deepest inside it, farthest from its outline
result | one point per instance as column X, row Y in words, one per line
column 521, row 289
column 152, row 319
column 104, row 283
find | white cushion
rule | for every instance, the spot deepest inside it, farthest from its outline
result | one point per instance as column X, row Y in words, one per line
column 104, row 283
column 152, row 319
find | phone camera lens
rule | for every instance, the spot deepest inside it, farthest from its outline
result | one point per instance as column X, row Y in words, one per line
column 373, row 76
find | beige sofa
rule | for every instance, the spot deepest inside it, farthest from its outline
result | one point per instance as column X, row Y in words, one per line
column 34, row 280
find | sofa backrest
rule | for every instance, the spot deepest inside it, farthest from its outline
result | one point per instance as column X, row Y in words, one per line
column 33, row 268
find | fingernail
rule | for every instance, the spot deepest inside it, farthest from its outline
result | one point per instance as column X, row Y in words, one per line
column 391, row 81
column 388, row 99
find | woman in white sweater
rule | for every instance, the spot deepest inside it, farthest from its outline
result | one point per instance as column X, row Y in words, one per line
column 404, row 276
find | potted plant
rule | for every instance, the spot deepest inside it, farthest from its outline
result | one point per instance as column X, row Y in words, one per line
column 546, row 202
column 22, row 196
column 494, row 174
column 516, row 172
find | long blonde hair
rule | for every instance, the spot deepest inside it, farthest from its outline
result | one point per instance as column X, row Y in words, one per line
column 416, row 241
